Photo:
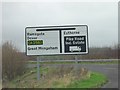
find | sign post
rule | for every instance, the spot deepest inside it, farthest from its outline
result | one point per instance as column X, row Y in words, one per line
column 76, row 58
column 56, row 40
column 38, row 69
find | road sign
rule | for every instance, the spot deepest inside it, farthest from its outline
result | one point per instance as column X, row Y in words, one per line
column 56, row 40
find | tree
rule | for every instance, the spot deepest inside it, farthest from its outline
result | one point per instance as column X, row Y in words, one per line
column 13, row 62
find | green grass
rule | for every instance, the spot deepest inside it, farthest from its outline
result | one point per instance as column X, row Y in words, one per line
column 29, row 80
column 95, row 81
column 25, row 81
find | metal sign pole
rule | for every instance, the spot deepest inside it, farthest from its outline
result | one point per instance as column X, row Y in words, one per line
column 38, row 69
column 76, row 59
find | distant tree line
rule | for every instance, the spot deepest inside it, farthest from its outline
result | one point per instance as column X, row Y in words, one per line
column 94, row 53
column 102, row 53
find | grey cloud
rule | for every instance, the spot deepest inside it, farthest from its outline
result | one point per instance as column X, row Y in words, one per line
column 100, row 17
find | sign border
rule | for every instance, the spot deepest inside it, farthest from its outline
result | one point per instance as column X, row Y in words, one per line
column 52, row 30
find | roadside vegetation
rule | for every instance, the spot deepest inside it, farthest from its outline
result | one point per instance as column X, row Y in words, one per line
column 59, row 77
column 0, row 67
column 13, row 62
column 15, row 74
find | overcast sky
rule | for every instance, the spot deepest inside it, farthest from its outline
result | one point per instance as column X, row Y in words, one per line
column 101, row 18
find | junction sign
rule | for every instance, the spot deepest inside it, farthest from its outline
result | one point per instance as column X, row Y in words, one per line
column 56, row 40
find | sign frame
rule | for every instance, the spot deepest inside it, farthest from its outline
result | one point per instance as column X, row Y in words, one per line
column 87, row 47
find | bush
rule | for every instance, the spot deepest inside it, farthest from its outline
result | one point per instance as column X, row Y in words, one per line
column 13, row 62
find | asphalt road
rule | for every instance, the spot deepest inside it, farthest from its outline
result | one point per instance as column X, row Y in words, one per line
column 110, row 70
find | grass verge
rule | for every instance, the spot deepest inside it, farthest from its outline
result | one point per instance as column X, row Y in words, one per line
column 96, row 80
column 55, row 79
